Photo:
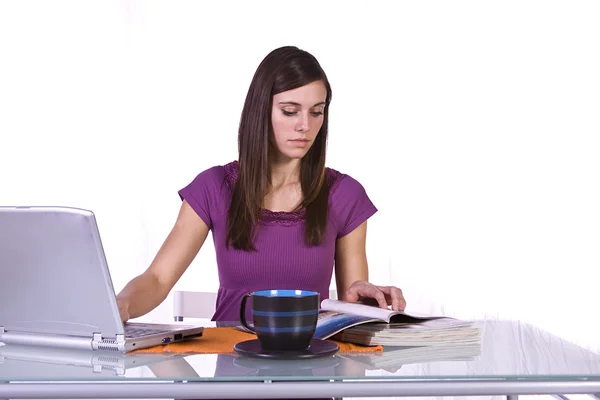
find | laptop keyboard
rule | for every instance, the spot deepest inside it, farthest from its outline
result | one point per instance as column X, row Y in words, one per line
column 135, row 331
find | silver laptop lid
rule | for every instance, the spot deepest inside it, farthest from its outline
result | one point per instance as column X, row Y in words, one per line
column 54, row 273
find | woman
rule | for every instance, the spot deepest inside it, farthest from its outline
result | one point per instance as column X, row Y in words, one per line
column 279, row 217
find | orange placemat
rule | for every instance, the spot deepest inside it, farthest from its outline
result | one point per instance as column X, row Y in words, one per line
column 222, row 340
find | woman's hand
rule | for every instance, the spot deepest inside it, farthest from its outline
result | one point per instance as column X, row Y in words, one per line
column 123, row 309
column 383, row 295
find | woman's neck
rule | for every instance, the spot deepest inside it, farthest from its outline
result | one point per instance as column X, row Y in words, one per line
column 284, row 172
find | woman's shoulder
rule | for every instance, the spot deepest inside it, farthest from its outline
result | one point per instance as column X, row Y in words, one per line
column 218, row 174
column 208, row 191
column 214, row 179
column 348, row 201
column 342, row 183
column 230, row 173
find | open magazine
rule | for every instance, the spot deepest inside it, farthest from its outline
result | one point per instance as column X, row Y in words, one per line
column 371, row 325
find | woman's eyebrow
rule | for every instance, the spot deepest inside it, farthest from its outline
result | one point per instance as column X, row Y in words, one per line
column 293, row 103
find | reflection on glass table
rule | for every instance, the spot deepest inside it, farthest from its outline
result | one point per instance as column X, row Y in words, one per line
column 507, row 350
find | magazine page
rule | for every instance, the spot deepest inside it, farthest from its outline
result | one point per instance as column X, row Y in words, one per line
column 435, row 333
column 372, row 311
column 331, row 322
column 358, row 309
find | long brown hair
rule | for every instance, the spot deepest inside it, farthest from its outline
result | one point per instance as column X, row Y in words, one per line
column 283, row 69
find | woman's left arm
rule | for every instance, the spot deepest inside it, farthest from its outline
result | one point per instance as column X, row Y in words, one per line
column 352, row 273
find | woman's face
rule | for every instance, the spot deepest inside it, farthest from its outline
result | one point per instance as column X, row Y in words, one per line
column 297, row 117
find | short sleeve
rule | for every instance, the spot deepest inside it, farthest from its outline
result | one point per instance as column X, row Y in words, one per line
column 203, row 192
column 350, row 205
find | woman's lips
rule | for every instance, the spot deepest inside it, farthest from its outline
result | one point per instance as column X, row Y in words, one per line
column 300, row 142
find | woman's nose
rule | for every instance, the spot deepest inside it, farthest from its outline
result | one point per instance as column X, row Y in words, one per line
column 302, row 124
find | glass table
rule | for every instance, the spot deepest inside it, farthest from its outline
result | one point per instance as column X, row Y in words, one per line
column 514, row 358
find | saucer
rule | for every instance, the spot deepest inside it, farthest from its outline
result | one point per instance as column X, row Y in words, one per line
column 316, row 348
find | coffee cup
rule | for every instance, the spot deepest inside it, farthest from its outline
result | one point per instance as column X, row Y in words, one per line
column 284, row 320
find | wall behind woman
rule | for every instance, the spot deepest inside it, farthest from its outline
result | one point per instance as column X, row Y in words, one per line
column 472, row 126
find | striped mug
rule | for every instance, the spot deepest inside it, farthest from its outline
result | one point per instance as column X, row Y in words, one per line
column 284, row 320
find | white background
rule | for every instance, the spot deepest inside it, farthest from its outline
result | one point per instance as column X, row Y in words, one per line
column 473, row 125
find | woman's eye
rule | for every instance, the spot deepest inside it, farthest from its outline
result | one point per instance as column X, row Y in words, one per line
column 291, row 113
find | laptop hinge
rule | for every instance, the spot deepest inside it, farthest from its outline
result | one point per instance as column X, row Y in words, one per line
column 108, row 344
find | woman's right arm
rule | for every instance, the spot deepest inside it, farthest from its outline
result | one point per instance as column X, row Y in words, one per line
column 146, row 291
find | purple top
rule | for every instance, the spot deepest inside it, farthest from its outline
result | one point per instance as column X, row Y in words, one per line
column 282, row 260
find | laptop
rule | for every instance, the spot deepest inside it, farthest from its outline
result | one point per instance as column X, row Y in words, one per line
column 56, row 289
